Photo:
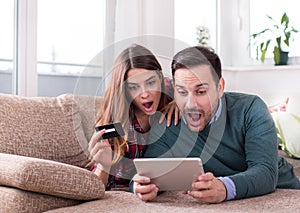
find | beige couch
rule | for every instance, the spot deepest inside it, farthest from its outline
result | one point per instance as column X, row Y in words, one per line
column 43, row 144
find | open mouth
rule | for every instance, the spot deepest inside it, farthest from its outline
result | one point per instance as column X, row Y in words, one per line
column 194, row 116
column 194, row 119
column 148, row 106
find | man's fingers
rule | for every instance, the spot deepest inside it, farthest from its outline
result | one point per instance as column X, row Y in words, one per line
column 146, row 192
column 141, row 179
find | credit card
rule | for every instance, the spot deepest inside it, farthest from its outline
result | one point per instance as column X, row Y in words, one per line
column 111, row 130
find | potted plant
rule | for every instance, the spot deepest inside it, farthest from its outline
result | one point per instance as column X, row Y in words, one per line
column 203, row 35
column 278, row 35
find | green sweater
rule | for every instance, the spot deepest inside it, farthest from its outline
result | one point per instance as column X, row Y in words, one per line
column 241, row 144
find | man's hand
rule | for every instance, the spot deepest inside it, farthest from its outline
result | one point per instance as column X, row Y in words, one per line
column 208, row 189
column 143, row 188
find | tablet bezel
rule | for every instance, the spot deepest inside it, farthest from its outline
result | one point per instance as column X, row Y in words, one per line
column 170, row 174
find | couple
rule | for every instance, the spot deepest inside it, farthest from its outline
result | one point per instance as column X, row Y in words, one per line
column 233, row 133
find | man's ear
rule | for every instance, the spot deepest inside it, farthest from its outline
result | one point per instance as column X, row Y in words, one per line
column 221, row 87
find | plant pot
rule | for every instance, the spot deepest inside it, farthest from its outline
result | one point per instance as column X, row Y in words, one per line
column 284, row 57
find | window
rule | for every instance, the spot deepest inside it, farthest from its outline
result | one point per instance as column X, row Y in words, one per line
column 70, row 34
column 57, row 46
column 7, row 45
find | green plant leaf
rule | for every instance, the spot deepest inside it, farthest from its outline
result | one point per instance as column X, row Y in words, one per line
column 296, row 117
column 254, row 35
column 285, row 19
column 287, row 38
column 276, row 55
column 263, row 49
column 278, row 42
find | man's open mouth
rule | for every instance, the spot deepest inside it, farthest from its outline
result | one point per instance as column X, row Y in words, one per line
column 194, row 116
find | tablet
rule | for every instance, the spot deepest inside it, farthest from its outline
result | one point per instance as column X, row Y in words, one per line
column 170, row 174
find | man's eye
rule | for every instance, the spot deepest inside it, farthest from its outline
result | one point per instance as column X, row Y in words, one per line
column 202, row 92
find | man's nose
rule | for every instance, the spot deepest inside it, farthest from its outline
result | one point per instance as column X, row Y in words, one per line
column 191, row 101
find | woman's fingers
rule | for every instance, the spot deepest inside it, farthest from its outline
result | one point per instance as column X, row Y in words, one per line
column 168, row 111
column 95, row 138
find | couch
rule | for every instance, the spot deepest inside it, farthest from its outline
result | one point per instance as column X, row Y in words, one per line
column 43, row 150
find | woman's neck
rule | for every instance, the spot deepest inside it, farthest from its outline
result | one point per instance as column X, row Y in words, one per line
column 143, row 120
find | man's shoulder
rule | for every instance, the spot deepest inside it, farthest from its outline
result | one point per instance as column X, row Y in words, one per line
column 243, row 99
column 239, row 95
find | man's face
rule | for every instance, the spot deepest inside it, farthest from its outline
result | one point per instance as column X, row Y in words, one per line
column 197, row 95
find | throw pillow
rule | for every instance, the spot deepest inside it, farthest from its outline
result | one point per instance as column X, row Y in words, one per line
column 49, row 177
column 17, row 200
column 287, row 126
column 42, row 127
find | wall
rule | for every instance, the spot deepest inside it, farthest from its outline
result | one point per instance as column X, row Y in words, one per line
column 272, row 83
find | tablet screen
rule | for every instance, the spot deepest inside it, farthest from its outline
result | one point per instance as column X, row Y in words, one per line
column 170, row 174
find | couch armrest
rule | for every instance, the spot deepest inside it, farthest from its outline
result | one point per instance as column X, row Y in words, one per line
column 49, row 177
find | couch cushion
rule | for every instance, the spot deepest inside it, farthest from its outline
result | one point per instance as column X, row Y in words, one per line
column 17, row 200
column 49, row 177
column 88, row 108
column 42, row 127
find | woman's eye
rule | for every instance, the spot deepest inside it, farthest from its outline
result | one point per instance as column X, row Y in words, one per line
column 151, row 83
column 133, row 88
column 181, row 92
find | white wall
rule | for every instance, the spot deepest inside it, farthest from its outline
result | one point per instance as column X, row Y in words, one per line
column 149, row 23
column 273, row 84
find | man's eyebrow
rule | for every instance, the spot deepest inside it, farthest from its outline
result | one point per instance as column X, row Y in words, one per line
column 198, row 85
column 201, row 85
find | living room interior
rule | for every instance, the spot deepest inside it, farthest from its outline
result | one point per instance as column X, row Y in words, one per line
column 62, row 50
column 41, row 50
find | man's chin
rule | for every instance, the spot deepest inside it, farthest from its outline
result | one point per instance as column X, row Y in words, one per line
column 195, row 128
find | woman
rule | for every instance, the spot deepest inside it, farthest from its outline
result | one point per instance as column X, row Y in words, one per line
column 135, row 93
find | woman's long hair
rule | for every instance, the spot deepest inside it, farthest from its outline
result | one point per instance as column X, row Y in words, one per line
column 116, row 102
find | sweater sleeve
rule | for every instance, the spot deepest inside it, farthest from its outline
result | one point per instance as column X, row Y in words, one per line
column 157, row 143
column 260, row 148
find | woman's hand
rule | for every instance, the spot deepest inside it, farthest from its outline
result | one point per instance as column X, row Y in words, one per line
column 170, row 109
column 100, row 151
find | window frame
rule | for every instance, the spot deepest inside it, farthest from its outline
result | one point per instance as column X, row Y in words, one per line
column 25, row 72
column 25, row 50
column 233, row 32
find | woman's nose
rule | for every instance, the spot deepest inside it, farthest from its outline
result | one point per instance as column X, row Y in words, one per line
column 144, row 92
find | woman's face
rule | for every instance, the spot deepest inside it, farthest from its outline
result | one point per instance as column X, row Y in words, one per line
column 144, row 88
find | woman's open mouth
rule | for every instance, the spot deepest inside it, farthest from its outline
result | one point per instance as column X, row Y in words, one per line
column 148, row 106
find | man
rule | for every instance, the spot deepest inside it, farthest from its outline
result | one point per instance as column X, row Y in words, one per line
column 232, row 133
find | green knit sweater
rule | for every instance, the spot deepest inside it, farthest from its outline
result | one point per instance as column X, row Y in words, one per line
column 241, row 144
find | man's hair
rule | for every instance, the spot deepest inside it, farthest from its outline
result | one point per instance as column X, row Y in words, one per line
column 195, row 56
